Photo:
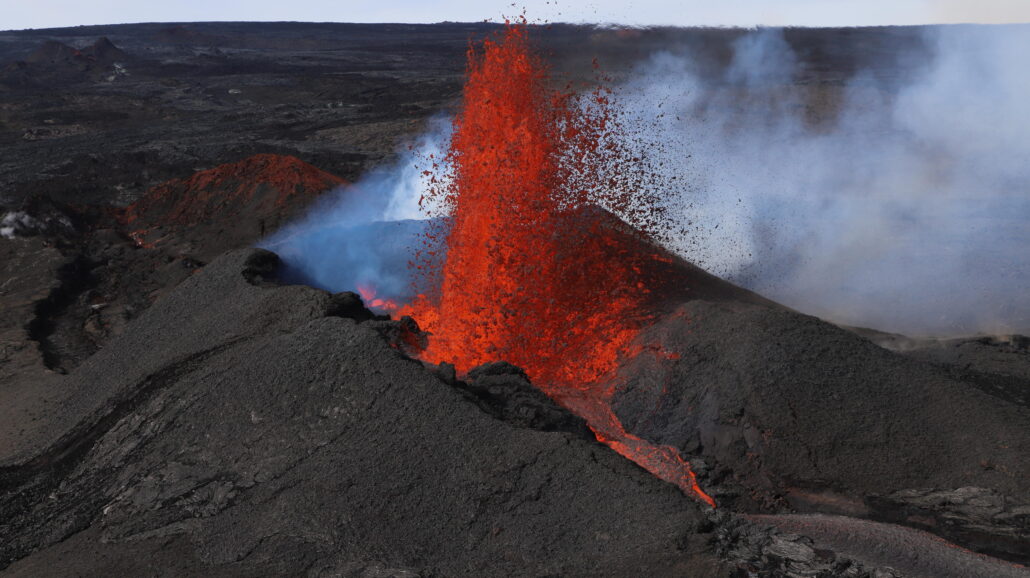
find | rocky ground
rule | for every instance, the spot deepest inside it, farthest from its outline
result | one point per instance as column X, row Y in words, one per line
column 172, row 412
column 194, row 432
column 785, row 412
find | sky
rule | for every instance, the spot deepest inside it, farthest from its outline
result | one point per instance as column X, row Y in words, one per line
column 19, row 14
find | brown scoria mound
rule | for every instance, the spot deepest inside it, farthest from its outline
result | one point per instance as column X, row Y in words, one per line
column 228, row 206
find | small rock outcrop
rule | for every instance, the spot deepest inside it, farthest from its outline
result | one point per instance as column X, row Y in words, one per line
column 505, row 391
column 981, row 518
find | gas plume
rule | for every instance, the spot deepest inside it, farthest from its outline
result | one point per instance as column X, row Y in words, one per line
column 903, row 207
column 906, row 210
column 361, row 237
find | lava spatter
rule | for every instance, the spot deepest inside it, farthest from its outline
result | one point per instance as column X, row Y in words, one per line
column 538, row 272
column 534, row 273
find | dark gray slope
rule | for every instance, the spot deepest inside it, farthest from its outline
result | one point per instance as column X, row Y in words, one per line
column 234, row 429
column 998, row 364
column 30, row 286
column 206, row 312
column 783, row 405
column 912, row 553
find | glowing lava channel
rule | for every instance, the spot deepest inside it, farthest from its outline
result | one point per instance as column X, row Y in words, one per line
column 535, row 272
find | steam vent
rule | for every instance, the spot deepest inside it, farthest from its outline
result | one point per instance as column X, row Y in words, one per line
column 387, row 300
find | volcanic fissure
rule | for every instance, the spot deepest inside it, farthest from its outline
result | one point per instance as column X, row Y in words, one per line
column 538, row 272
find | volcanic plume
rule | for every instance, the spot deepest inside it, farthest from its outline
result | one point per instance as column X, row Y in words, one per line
column 537, row 272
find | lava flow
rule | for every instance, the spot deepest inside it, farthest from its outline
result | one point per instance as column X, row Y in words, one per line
column 538, row 272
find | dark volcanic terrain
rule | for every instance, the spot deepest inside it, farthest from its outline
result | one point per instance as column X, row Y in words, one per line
column 98, row 114
column 213, row 445
column 169, row 405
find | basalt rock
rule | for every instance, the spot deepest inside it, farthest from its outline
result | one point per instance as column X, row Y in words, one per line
column 760, row 550
column 403, row 334
column 228, row 206
column 984, row 519
column 801, row 542
column 504, row 390
column 236, row 428
column 796, row 414
column 348, row 304
column 39, row 216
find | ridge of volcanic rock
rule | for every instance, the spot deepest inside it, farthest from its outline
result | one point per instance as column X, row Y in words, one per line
column 239, row 425
column 671, row 279
column 227, row 206
column 52, row 52
column 210, row 192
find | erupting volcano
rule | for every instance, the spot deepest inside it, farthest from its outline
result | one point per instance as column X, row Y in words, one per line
column 530, row 275
column 538, row 272
column 489, row 346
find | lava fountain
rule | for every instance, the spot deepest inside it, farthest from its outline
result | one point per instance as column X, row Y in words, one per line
column 538, row 272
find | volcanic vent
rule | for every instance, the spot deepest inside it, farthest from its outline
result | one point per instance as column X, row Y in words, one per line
column 538, row 272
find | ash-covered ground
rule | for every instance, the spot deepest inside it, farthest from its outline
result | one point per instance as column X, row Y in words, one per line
column 169, row 405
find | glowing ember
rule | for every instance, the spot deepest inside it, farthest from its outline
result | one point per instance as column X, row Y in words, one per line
column 535, row 272
column 368, row 295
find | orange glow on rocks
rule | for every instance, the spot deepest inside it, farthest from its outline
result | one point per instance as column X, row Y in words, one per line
column 368, row 295
column 538, row 272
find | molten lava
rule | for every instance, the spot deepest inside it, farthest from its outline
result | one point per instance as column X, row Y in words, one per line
column 537, row 270
column 664, row 462
column 368, row 295
column 531, row 276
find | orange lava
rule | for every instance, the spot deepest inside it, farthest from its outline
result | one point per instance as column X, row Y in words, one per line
column 368, row 296
column 664, row 462
column 531, row 276
column 536, row 272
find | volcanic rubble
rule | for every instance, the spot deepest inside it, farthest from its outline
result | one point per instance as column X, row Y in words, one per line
column 236, row 429
column 240, row 427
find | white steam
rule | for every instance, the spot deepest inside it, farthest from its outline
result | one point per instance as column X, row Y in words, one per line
column 910, row 211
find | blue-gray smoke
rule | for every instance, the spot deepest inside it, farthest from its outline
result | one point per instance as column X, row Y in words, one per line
column 364, row 235
column 909, row 210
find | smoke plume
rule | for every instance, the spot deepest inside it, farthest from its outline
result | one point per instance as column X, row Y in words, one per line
column 900, row 204
column 362, row 236
column 905, row 210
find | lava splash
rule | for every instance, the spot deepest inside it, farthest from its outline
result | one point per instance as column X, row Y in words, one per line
column 534, row 274
column 537, row 271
